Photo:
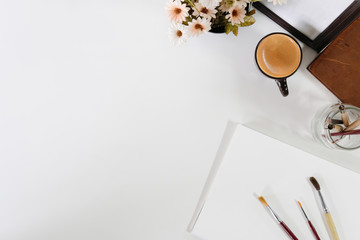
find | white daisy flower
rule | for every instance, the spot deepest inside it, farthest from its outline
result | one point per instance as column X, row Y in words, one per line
column 280, row 2
column 177, row 11
column 241, row 3
column 236, row 15
column 223, row 7
column 178, row 34
column 198, row 26
column 210, row 3
column 204, row 11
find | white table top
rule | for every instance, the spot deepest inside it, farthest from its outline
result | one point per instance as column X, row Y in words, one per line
column 108, row 131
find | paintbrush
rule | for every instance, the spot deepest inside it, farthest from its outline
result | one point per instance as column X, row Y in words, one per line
column 287, row 230
column 336, row 121
column 353, row 125
column 328, row 217
column 316, row 235
column 352, row 132
column 344, row 115
column 335, row 127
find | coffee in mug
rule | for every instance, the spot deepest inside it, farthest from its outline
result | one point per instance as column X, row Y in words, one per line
column 278, row 56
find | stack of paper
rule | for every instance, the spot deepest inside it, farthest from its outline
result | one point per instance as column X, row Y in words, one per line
column 258, row 164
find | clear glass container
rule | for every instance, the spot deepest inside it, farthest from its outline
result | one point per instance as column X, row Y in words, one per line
column 323, row 133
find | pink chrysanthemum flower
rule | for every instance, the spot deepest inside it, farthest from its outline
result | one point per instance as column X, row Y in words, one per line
column 204, row 11
column 177, row 11
column 178, row 34
column 236, row 15
column 198, row 26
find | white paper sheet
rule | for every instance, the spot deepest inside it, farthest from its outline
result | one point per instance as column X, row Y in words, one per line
column 258, row 164
column 308, row 16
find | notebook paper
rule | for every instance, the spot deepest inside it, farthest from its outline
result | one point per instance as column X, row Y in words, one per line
column 258, row 164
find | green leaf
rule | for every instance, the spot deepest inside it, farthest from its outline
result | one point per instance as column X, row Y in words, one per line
column 229, row 3
column 235, row 30
column 248, row 21
column 187, row 20
column 228, row 28
column 256, row 0
column 252, row 12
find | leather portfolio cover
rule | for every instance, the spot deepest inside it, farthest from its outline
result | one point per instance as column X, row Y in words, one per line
column 338, row 66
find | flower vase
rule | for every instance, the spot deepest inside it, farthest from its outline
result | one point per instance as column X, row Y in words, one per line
column 218, row 29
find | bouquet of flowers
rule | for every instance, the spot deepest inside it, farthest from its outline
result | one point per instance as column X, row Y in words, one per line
column 191, row 18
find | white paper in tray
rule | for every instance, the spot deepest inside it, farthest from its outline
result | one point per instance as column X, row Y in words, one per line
column 258, row 164
column 308, row 16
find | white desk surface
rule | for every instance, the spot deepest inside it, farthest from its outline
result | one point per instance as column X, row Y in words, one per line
column 108, row 131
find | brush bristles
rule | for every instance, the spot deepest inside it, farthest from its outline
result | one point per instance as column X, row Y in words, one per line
column 315, row 183
column 299, row 204
column 262, row 200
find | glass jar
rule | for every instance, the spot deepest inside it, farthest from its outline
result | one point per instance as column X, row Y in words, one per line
column 324, row 132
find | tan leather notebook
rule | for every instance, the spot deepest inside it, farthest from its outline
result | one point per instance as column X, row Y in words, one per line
column 338, row 66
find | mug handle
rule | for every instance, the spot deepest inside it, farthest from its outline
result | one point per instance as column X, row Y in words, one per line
column 282, row 84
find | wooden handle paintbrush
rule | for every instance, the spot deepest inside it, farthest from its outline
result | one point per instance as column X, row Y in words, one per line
column 331, row 225
column 335, row 127
column 329, row 221
column 344, row 115
column 353, row 125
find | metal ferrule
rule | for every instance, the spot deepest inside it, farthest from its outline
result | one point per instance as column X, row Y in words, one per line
column 276, row 217
column 342, row 108
column 325, row 208
column 304, row 214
